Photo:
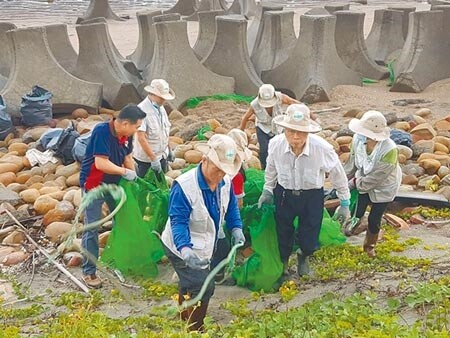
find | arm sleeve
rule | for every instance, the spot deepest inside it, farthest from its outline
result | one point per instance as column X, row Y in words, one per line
column 179, row 213
column 100, row 144
column 380, row 172
column 337, row 174
column 130, row 145
column 271, row 175
column 349, row 166
column 144, row 124
column 238, row 185
column 232, row 216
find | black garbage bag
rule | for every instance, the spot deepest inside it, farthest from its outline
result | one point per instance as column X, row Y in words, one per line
column 64, row 145
column 6, row 125
column 36, row 107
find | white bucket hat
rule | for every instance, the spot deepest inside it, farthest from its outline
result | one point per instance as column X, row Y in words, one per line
column 222, row 151
column 160, row 87
column 372, row 125
column 240, row 138
column 266, row 96
column 298, row 117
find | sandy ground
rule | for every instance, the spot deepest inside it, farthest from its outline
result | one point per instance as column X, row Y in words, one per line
column 373, row 96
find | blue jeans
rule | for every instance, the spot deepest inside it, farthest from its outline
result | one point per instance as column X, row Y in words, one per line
column 89, row 239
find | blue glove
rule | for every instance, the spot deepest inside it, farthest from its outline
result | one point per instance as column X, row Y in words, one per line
column 265, row 198
column 156, row 166
column 192, row 260
column 130, row 175
column 342, row 213
column 237, row 236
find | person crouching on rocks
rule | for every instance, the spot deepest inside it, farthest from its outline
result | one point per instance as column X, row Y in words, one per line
column 374, row 170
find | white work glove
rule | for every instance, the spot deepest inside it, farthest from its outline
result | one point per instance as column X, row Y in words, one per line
column 237, row 236
column 130, row 175
column 156, row 166
column 192, row 260
column 170, row 156
column 265, row 198
column 342, row 213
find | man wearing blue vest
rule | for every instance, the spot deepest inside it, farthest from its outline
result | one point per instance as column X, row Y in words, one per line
column 201, row 200
column 107, row 159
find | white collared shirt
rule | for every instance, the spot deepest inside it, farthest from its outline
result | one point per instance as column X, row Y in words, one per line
column 306, row 171
column 157, row 128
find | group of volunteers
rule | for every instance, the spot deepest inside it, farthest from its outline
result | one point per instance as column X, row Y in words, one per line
column 204, row 202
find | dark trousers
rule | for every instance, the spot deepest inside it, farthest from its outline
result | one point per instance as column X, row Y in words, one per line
column 307, row 205
column 142, row 167
column 376, row 212
column 222, row 250
column 263, row 140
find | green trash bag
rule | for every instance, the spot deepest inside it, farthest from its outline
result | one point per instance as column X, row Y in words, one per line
column 132, row 248
column 330, row 232
column 253, row 185
column 262, row 270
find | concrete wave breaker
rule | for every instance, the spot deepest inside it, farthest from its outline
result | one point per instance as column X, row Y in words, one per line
column 229, row 56
column 97, row 61
column 314, row 67
column 425, row 57
column 277, row 40
column 61, row 47
column 143, row 54
column 184, row 7
column 205, row 6
column 386, row 35
column 351, row 47
column 175, row 61
column 405, row 17
column 99, row 9
column 6, row 53
column 242, row 7
column 256, row 27
column 34, row 64
column 206, row 33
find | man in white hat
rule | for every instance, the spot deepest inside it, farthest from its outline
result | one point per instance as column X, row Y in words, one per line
column 374, row 170
column 151, row 145
column 201, row 200
column 296, row 166
column 265, row 107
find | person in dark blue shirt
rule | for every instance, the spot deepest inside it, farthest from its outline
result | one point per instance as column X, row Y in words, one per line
column 108, row 159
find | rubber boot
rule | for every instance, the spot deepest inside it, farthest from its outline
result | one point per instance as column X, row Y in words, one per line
column 197, row 317
column 369, row 243
column 302, row 264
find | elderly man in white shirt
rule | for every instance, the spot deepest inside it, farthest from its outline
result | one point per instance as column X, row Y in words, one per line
column 151, row 144
column 296, row 167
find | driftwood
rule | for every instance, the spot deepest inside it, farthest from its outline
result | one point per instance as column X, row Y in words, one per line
column 46, row 254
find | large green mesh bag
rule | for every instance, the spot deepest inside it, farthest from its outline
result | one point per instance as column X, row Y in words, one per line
column 262, row 270
column 132, row 247
column 253, row 186
column 195, row 101
column 330, row 231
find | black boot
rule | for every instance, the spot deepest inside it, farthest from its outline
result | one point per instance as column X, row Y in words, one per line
column 302, row 264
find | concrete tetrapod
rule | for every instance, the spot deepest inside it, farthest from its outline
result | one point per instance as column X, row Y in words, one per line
column 229, row 56
column 338, row 7
column 97, row 61
column 256, row 27
column 206, row 33
column 34, row 64
column 166, row 17
column 425, row 57
column 242, row 7
column 184, row 7
column 277, row 40
column 386, row 35
column 143, row 54
column 6, row 54
column 205, row 6
column 61, row 47
column 314, row 67
column 405, row 17
column 175, row 61
column 351, row 47
column 446, row 11
column 99, row 9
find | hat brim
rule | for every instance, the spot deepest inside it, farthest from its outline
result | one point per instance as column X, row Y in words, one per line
column 267, row 103
column 231, row 169
column 246, row 154
column 355, row 126
column 168, row 97
column 312, row 127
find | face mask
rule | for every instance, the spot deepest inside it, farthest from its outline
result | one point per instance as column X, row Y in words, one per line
column 361, row 138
